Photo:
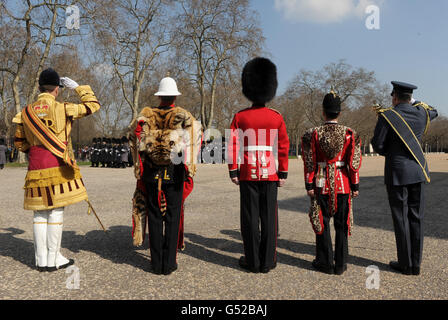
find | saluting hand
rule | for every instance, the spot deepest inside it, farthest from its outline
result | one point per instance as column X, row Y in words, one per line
column 69, row 83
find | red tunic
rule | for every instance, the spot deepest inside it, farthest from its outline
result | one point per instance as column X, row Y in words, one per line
column 332, row 159
column 258, row 145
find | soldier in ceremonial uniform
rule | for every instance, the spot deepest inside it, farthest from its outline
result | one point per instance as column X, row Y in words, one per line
column 332, row 158
column 397, row 137
column 165, row 141
column 259, row 138
column 94, row 153
column 103, row 152
column 124, row 152
column 54, row 180
column 109, row 153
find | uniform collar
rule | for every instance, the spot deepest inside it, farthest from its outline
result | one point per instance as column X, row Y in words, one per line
column 166, row 105
column 258, row 105
column 401, row 105
column 46, row 95
column 331, row 122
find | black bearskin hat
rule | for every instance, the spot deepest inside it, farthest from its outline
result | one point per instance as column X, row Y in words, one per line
column 2, row 141
column 332, row 102
column 259, row 80
column 124, row 139
column 94, row 140
column 49, row 77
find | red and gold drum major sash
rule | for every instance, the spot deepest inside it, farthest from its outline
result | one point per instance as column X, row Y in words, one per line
column 46, row 136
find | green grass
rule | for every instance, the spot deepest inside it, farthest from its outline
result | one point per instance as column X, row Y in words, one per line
column 16, row 165
column 24, row 165
column 84, row 163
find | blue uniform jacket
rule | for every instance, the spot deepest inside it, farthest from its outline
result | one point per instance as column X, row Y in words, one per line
column 400, row 167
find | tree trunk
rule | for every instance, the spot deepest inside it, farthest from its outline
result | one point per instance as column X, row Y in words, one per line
column 44, row 56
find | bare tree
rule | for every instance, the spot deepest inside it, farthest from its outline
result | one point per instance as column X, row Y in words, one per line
column 437, row 136
column 39, row 24
column 294, row 113
column 359, row 91
column 215, row 38
column 131, row 34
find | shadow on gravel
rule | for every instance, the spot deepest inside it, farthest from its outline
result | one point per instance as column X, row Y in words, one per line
column 198, row 248
column 371, row 209
column 197, row 245
column 309, row 249
column 18, row 249
column 115, row 246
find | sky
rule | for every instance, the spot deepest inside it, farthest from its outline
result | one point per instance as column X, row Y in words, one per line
column 411, row 44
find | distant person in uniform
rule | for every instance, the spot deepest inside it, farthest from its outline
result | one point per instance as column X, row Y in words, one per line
column 124, row 152
column 398, row 135
column 3, row 150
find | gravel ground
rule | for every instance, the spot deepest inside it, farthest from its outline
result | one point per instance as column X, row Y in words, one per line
column 111, row 268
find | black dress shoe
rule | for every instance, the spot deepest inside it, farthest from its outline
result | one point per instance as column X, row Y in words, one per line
column 41, row 269
column 339, row 270
column 396, row 266
column 267, row 269
column 157, row 271
column 321, row 268
column 243, row 264
column 416, row 271
column 68, row 264
column 171, row 270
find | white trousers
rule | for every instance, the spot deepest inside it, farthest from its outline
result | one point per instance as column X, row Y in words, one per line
column 47, row 237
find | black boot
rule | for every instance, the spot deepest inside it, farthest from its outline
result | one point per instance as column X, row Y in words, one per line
column 339, row 270
column 396, row 266
column 243, row 264
column 321, row 268
column 267, row 269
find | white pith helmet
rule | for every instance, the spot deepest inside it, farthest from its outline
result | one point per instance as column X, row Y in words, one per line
column 168, row 88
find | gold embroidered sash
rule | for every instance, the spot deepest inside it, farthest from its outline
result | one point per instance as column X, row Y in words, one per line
column 46, row 136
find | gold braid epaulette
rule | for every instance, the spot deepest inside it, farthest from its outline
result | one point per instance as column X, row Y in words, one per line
column 427, row 109
column 424, row 106
column 380, row 109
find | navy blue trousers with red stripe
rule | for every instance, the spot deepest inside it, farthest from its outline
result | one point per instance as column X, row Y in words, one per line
column 258, row 213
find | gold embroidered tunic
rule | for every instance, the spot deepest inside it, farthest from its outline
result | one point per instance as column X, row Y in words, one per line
column 50, row 182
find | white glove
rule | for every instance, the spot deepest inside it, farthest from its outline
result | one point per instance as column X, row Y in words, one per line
column 69, row 83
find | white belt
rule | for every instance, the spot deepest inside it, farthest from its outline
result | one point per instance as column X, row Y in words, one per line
column 339, row 164
column 258, row 148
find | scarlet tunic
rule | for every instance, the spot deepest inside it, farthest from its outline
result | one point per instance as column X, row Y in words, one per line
column 343, row 151
column 258, row 134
